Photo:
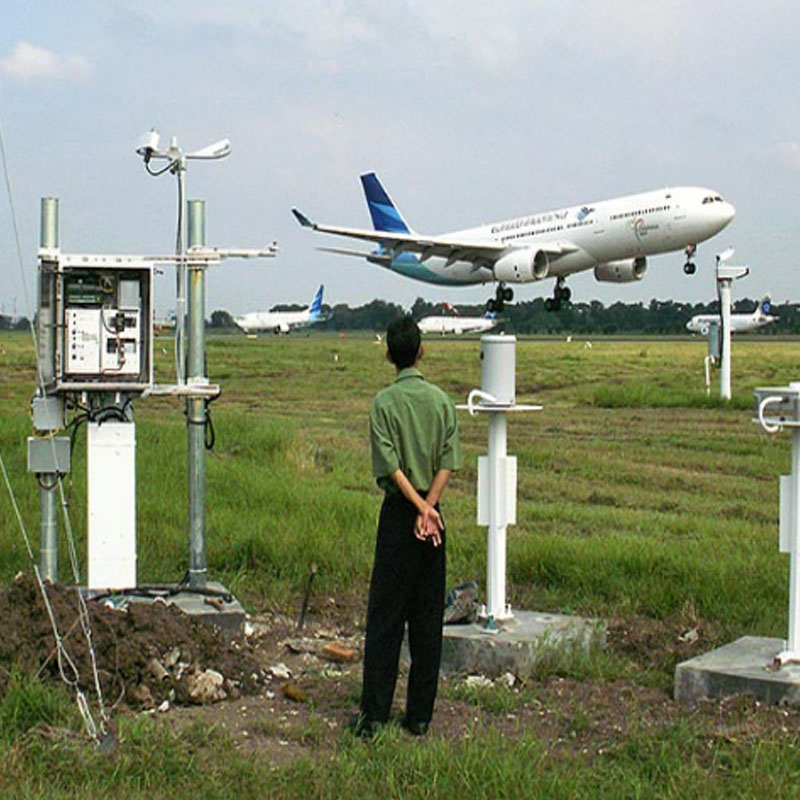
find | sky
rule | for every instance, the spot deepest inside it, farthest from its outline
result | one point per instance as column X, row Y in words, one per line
column 469, row 111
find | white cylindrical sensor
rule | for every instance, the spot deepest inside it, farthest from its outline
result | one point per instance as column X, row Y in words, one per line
column 498, row 367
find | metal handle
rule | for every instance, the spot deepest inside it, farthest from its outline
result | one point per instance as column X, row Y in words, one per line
column 761, row 406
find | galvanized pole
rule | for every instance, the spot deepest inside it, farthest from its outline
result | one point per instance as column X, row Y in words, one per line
column 196, row 406
column 48, row 482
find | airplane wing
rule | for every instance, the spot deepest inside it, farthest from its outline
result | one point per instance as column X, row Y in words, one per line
column 448, row 247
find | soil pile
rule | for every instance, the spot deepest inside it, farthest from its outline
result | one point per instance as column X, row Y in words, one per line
column 146, row 653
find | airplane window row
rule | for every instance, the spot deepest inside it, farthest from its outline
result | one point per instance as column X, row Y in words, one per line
column 580, row 224
column 532, row 233
column 714, row 199
column 639, row 213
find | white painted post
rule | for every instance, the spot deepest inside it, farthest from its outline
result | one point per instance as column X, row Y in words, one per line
column 725, row 364
column 497, row 471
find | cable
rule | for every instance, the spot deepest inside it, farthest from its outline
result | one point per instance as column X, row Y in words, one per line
column 63, row 656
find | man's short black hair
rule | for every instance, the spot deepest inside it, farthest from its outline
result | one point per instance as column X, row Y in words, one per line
column 403, row 341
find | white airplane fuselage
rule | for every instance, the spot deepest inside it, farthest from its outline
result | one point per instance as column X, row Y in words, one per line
column 277, row 321
column 613, row 237
column 457, row 325
column 701, row 323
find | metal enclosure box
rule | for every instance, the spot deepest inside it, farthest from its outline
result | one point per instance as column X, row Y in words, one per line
column 48, row 413
column 96, row 319
column 111, row 490
column 48, row 455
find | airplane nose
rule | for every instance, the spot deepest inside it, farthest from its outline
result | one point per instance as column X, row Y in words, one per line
column 728, row 213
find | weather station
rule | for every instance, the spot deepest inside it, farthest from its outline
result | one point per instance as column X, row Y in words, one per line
column 764, row 667
column 95, row 357
column 501, row 640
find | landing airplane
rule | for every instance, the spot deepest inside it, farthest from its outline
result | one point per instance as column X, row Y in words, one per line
column 611, row 237
column 701, row 323
column 456, row 323
column 282, row 321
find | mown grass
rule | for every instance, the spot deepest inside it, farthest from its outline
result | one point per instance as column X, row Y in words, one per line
column 638, row 496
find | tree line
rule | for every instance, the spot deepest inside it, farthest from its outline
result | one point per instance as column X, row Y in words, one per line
column 658, row 317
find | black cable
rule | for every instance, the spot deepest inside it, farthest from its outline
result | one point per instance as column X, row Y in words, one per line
column 156, row 172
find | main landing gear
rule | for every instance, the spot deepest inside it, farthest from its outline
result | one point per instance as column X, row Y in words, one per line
column 503, row 294
column 561, row 294
column 689, row 267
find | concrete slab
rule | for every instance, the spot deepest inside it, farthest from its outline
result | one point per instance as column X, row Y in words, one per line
column 742, row 667
column 529, row 641
column 216, row 605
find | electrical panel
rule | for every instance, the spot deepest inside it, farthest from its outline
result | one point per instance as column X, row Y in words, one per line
column 104, row 341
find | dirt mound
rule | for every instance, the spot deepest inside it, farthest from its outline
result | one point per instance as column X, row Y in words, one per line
column 146, row 653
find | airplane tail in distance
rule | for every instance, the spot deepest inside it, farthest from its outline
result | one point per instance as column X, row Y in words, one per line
column 316, row 306
column 766, row 306
column 385, row 216
column 451, row 308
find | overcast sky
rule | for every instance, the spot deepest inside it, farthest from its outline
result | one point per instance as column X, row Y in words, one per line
column 470, row 111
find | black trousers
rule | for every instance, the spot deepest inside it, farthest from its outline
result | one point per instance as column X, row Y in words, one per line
column 407, row 586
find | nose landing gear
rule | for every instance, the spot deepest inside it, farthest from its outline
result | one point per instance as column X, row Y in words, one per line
column 689, row 267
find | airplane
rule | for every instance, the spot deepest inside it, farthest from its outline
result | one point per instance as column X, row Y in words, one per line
column 701, row 323
column 282, row 321
column 457, row 324
column 612, row 237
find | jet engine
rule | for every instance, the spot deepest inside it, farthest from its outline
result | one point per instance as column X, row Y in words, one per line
column 522, row 266
column 623, row 271
column 281, row 329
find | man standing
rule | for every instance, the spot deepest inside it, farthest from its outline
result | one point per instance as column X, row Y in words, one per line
column 415, row 448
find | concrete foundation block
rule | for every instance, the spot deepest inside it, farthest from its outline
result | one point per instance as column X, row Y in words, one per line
column 528, row 642
column 742, row 667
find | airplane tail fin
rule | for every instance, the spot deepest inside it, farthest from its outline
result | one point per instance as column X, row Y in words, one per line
column 451, row 308
column 316, row 306
column 766, row 306
column 384, row 213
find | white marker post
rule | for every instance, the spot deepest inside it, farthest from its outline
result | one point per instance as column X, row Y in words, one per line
column 776, row 408
column 725, row 277
column 497, row 471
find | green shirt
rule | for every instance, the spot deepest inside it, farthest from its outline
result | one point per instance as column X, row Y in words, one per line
column 413, row 427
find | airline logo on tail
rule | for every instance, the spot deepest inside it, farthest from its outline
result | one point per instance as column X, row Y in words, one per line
column 315, row 312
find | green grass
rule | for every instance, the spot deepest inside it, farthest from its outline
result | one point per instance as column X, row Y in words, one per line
column 638, row 496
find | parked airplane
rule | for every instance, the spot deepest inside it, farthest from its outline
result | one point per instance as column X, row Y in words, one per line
column 457, row 324
column 611, row 237
column 282, row 321
column 701, row 323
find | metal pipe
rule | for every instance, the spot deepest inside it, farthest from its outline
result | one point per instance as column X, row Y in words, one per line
column 48, row 482
column 196, row 406
column 496, row 549
column 793, row 643
column 725, row 361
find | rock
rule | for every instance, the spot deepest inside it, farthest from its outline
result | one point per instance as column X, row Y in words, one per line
column 172, row 657
column 294, row 692
column 280, row 672
column 206, row 687
column 142, row 695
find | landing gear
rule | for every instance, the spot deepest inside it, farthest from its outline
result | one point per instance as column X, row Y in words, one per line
column 689, row 267
column 503, row 294
column 561, row 294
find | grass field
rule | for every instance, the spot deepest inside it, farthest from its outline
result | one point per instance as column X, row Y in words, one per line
column 639, row 498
